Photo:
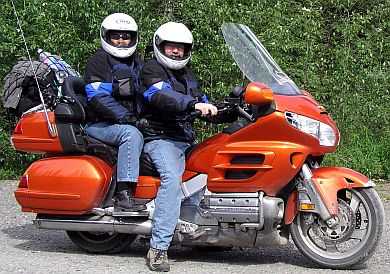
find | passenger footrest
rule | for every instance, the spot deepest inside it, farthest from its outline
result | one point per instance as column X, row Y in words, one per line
column 143, row 213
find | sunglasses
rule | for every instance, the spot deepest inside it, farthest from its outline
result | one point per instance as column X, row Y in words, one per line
column 119, row 35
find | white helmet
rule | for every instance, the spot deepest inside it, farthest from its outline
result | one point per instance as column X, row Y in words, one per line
column 175, row 33
column 119, row 22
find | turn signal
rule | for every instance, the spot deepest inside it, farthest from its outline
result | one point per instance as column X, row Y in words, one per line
column 306, row 206
column 18, row 129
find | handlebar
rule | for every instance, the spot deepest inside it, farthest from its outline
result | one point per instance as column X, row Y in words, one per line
column 195, row 114
column 227, row 107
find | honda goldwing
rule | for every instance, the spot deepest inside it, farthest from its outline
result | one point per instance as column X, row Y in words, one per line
column 256, row 182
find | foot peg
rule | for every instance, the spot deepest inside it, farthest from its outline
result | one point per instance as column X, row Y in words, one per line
column 142, row 213
column 124, row 205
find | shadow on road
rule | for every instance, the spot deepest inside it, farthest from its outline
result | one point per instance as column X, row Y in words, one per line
column 31, row 239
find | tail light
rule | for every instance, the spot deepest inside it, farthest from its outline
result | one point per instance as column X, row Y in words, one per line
column 18, row 129
column 23, row 182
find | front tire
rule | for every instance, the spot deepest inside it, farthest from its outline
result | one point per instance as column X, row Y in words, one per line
column 349, row 243
column 102, row 243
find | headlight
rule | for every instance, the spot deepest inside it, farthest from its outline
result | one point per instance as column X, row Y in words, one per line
column 323, row 132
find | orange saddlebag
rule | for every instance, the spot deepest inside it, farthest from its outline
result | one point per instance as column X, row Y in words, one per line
column 64, row 185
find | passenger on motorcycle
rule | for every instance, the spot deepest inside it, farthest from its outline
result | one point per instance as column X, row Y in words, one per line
column 112, row 77
column 170, row 93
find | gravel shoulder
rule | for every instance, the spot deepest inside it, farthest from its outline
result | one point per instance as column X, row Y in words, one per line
column 25, row 249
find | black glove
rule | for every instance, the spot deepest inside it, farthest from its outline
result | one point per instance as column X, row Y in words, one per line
column 128, row 120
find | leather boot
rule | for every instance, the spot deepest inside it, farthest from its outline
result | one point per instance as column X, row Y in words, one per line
column 157, row 260
column 124, row 202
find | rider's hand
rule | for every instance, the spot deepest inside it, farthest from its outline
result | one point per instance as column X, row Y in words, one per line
column 206, row 109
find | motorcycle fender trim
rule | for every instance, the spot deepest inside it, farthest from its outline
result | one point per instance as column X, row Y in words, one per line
column 291, row 208
column 329, row 180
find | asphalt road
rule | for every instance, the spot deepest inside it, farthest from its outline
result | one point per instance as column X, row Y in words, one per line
column 25, row 249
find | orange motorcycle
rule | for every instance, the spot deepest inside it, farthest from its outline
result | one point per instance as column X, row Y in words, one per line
column 257, row 182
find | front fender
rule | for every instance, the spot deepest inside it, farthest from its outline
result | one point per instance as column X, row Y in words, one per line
column 328, row 181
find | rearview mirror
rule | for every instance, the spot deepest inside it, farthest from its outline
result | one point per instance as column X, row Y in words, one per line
column 257, row 93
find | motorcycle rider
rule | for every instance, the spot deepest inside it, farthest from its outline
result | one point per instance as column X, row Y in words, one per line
column 170, row 93
column 112, row 77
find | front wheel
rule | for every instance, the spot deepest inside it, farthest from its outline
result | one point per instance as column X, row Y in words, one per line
column 101, row 242
column 352, row 241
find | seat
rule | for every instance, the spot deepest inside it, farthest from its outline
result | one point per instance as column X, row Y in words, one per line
column 110, row 154
column 71, row 113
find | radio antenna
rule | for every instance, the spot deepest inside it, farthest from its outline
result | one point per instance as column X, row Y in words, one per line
column 51, row 128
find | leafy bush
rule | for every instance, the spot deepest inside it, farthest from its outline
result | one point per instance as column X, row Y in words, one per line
column 336, row 49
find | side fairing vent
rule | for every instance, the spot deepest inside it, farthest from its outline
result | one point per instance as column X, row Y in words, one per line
column 236, row 161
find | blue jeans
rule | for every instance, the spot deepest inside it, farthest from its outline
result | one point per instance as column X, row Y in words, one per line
column 129, row 141
column 169, row 159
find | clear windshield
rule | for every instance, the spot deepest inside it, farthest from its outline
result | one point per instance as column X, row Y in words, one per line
column 255, row 61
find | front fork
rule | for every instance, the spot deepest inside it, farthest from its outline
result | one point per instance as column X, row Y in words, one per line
column 309, row 199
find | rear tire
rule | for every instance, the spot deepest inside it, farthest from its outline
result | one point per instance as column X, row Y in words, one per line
column 102, row 243
column 352, row 241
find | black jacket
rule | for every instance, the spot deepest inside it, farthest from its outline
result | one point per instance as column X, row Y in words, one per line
column 112, row 87
column 169, row 97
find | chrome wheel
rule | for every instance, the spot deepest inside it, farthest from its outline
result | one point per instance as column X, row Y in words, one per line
column 351, row 240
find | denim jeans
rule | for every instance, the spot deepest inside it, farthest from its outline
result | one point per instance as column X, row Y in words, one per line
column 169, row 159
column 129, row 141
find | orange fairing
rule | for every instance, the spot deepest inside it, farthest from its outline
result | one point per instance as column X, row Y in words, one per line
column 202, row 156
column 258, row 94
column 329, row 180
column 147, row 186
column 32, row 135
column 273, row 145
column 64, row 185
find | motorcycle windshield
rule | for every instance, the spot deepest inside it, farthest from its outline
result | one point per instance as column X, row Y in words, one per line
column 255, row 61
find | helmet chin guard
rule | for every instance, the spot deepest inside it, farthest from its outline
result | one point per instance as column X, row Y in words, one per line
column 118, row 22
column 174, row 33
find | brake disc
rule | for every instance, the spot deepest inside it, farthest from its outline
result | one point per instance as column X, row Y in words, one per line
column 342, row 231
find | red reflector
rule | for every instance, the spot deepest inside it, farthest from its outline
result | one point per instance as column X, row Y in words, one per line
column 23, row 182
column 18, row 129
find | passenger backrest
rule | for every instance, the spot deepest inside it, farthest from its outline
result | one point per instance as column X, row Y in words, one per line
column 70, row 115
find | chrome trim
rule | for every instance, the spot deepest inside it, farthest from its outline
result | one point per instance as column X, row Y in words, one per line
column 193, row 185
column 104, row 224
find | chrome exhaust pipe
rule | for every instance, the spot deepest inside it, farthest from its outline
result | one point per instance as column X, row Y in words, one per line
column 104, row 224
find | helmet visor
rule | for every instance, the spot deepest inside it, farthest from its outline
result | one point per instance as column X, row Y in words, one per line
column 129, row 38
column 174, row 50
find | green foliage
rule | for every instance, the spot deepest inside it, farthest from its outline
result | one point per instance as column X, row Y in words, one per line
column 337, row 49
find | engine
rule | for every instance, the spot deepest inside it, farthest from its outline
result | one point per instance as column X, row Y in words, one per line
column 250, row 210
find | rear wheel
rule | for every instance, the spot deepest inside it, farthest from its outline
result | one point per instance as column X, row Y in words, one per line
column 352, row 241
column 101, row 242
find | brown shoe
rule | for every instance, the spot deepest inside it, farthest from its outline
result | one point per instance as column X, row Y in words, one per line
column 158, row 260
